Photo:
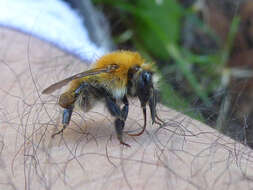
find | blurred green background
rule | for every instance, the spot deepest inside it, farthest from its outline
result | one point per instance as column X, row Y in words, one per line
column 200, row 48
column 162, row 31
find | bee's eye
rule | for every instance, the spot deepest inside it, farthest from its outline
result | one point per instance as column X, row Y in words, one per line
column 146, row 76
column 136, row 68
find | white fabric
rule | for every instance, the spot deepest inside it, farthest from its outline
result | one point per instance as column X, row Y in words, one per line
column 53, row 21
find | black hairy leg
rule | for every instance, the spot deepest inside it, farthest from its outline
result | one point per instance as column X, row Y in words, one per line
column 67, row 112
column 152, row 106
column 65, row 120
column 120, row 115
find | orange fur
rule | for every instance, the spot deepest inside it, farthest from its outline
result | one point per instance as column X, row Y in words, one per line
column 125, row 59
column 116, row 79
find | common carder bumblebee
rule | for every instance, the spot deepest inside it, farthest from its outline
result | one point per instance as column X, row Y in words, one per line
column 112, row 79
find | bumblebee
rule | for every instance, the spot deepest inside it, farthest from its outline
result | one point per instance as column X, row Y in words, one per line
column 112, row 79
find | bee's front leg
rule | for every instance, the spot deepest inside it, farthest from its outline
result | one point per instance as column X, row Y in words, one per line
column 120, row 115
column 152, row 106
column 65, row 120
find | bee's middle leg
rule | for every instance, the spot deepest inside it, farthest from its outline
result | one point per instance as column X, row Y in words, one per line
column 120, row 115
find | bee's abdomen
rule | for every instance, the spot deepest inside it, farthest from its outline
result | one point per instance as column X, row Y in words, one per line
column 86, row 101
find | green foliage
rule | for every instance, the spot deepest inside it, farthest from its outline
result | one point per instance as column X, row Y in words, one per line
column 223, row 58
column 155, row 29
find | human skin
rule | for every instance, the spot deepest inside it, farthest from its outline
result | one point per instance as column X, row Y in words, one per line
column 181, row 154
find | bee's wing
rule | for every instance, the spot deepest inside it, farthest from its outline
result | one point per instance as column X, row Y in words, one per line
column 62, row 83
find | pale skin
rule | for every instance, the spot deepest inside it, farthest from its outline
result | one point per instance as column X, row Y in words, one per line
column 182, row 154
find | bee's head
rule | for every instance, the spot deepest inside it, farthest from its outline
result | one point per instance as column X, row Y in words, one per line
column 144, row 86
column 140, row 84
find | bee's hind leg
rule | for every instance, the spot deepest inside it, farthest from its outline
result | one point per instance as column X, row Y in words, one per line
column 67, row 101
column 65, row 120
column 120, row 115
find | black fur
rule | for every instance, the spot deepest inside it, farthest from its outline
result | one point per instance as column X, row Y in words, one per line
column 120, row 114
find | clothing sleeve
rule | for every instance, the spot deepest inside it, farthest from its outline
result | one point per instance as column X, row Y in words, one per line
column 53, row 21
